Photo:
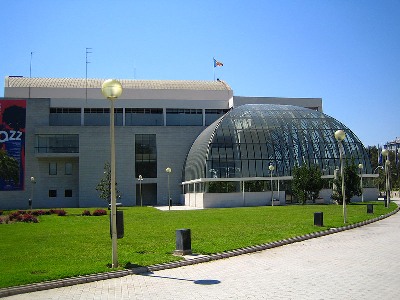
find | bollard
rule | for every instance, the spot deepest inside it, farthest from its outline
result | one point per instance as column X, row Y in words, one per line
column 120, row 224
column 319, row 219
column 370, row 208
column 183, row 242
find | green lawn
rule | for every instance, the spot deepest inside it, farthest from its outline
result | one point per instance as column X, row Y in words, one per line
column 59, row 247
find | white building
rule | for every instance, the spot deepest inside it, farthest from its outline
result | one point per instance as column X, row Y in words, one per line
column 64, row 137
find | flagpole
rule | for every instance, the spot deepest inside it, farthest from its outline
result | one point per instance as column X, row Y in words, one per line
column 214, row 67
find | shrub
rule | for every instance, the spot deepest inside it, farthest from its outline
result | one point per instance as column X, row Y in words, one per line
column 5, row 220
column 58, row 212
column 99, row 212
column 61, row 213
column 28, row 218
column 86, row 213
column 20, row 216
column 38, row 212
column 14, row 215
column 1, row 212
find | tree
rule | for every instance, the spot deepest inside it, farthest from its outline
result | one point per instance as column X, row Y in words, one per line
column 351, row 183
column 104, row 186
column 307, row 183
column 9, row 167
column 394, row 159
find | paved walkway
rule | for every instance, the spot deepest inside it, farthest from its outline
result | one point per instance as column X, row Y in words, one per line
column 362, row 263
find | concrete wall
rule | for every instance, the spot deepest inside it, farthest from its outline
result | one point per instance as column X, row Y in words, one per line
column 304, row 102
column 173, row 144
column 220, row 200
column 214, row 200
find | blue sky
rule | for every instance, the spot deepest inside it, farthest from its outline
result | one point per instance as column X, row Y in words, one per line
column 345, row 51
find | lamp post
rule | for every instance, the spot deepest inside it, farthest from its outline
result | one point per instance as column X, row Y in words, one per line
column 385, row 153
column 360, row 166
column 168, row 170
column 112, row 89
column 377, row 186
column 272, row 168
column 140, row 178
column 340, row 136
column 33, row 181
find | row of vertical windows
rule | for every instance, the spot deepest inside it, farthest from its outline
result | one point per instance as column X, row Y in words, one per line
column 67, row 193
column 134, row 116
column 57, row 143
column 143, row 110
column 69, row 110
column 64, row 110
column 184, row 111
column 53, row 168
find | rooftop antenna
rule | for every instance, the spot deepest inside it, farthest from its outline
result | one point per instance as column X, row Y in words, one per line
column 87, row 62
column 30, row 74
column 30, row 66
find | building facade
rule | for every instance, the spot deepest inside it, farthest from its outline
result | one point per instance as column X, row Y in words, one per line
column 59, row 133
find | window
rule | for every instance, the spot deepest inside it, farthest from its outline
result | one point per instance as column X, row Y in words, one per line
column 52, row 193
column 53, row 168
column 146, row 155
column 144, row 117
column 68, row 193
column 213, row 115
column 184, row 117
column 65, row 116
column 57, row 143
column 68, row 168
column 97, row 116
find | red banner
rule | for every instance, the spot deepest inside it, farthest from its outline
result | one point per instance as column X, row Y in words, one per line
column 12, row 139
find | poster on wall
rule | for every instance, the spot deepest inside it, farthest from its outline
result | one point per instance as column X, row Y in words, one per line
column 12, row 141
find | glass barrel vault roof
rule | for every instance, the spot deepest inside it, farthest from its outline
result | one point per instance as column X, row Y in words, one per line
column 246, row 140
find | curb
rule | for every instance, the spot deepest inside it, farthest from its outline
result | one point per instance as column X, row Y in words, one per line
column 5, row 292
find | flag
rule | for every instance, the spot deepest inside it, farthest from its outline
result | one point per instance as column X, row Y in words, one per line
column 217, row 63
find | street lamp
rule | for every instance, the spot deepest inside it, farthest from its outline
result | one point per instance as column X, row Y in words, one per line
column 360, row 166
column 140, row 189
column 272, row 168
column 33, row 181
column 112, row 89
column 340, row 136
column 385, row 153
column 168, row 170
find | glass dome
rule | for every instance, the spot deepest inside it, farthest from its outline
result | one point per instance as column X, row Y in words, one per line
column 246, row 140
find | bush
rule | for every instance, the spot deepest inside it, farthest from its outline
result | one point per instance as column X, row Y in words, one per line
column 20, row 216
column 1, row 212
column 28, row 218
column 61, row 213
column 58, row 212
column 86, row 213
column 5, row 220
column 39, row 212
column 99, row 212
column 14, row 215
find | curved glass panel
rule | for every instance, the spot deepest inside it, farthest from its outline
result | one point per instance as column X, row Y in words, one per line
column 245, row 141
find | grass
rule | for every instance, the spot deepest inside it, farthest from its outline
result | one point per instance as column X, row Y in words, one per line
column 59, row 247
